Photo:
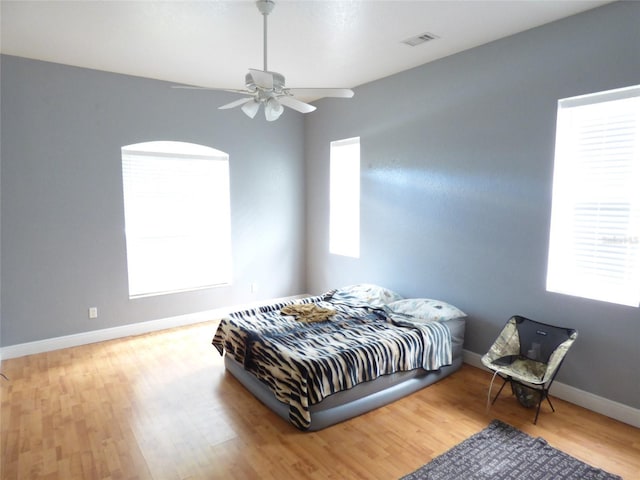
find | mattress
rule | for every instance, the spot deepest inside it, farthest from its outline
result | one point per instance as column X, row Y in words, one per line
column 362, row 397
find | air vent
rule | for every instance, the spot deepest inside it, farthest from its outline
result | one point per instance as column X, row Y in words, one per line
column 419, row 39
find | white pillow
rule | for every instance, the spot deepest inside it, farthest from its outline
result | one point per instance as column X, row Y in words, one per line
column 424, row 310
column 366, row 294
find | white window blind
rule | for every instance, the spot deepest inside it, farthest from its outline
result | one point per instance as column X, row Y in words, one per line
column 594, row 249
column 344, row 197
column 177, row 217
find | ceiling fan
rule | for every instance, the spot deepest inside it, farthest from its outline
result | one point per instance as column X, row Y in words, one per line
column 263, row 87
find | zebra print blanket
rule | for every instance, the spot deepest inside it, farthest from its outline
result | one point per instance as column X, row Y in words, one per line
column 302, row 363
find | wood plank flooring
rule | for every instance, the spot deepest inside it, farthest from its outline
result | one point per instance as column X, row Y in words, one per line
column 160, row 406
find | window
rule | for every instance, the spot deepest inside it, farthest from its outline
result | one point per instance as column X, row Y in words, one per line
column 594, row 247
column 344, row 198
column 177, row 217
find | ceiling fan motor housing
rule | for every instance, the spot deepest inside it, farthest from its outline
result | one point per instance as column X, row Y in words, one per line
column 278, row 82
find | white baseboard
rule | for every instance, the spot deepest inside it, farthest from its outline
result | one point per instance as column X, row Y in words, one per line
column 604, row 406
column 57, row 343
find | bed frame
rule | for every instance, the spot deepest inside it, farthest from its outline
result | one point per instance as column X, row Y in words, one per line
column 363, row 397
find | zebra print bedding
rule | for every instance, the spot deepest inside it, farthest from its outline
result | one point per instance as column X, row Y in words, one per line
column 303, row 363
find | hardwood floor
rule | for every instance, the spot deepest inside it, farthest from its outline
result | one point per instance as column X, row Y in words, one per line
column 160, row 406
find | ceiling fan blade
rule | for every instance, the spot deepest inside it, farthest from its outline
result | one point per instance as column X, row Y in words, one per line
column 190, row 87
column 193, row 87
column 262, row 79
column 296, row 104
column 236, row 103
column 322, row 92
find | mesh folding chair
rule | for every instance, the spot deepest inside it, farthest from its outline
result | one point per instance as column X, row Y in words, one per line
column 528, row 354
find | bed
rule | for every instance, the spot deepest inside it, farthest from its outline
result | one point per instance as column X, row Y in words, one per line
column 323, row 359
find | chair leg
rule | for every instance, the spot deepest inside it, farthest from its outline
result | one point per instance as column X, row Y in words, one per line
column 543, row 394
column 549, row 400
column 499, row 391
column 535, row 420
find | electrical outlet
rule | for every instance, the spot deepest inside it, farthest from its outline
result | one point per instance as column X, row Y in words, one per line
column 93, row 312
column 254, row 287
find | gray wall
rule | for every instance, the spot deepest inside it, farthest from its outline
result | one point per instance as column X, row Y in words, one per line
column 62, row 222
column 457, row 167
column 457, row 164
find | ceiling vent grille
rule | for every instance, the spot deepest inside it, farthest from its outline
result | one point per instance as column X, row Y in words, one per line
column 419, row 39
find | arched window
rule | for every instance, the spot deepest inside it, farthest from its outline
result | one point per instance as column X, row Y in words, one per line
column 177, row 217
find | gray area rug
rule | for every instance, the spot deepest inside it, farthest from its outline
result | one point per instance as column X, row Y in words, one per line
column 502, row 452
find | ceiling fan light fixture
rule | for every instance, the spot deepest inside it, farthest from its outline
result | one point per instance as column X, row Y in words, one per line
column 272, row 109
column 251, row 108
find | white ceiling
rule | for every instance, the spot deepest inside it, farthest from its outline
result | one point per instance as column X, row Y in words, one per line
column 329, row 43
